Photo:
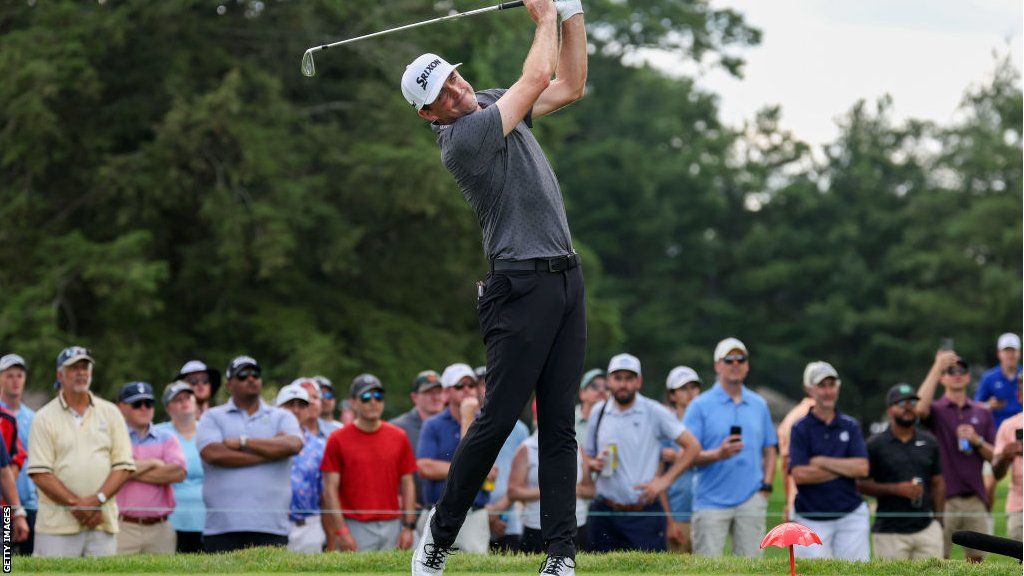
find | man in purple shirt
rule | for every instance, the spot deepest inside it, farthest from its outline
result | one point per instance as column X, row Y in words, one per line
column 965, row 433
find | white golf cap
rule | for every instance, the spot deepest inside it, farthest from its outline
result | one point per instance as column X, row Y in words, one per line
column 624, row 362
column 681, row 376
column 1008, row 340
column 815, row 372
column 423, row 79
column 454, row 374
column 289, row 393
column 12, row 360
column 728, row 345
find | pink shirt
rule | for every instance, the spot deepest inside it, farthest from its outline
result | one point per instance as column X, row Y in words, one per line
column 1006, row 435
column 144, row 500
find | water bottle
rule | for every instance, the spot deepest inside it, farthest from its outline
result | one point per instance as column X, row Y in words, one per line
column 965, row 446
column 917, row 502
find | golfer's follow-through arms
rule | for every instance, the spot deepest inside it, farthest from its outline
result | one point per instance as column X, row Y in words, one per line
column 535, row 88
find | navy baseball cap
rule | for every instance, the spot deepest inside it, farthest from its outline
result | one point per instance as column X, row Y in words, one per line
column 241, row 362
column 135, row 391
column 900, row 392
column 72, row 354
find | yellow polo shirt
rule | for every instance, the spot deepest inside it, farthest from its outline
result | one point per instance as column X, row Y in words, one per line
column 81, row 453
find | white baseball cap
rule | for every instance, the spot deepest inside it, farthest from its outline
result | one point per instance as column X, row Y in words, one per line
column 728, row 345
column 12, row 360
column 815, row 372
column 454, row 374
column 423, row 79
column 291, row 392
column 1008, row 340
column 681, row 376
column 624, row 362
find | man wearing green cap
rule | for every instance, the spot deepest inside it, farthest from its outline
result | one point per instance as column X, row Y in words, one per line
column 593, row 389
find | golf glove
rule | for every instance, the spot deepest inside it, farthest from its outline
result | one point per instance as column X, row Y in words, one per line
column 568, row 8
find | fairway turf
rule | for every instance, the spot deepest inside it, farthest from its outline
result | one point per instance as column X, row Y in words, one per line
column 269, row 561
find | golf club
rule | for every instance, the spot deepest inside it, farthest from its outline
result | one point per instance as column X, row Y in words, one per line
column 307, row 59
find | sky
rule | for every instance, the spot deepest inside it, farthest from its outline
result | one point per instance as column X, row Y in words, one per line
column 818, row 57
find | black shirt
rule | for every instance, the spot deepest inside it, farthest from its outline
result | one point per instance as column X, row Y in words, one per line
column 892, row 460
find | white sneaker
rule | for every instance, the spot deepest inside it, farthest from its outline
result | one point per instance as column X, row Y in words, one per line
column 559, row 566
column 428, row 559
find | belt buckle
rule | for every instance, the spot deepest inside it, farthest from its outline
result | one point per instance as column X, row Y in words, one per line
column 559, row 264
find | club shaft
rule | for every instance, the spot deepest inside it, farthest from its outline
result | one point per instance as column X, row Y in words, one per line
column 503, row 6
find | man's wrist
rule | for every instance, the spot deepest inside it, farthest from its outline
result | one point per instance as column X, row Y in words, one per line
column 766, row 487
column 20, row 512
column 342, row 530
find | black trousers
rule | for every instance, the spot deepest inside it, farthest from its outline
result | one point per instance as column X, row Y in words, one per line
column 230, row 541
column 535, row 330
column 189, row 542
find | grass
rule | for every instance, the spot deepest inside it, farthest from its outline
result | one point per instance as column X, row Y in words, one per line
column 268, row 561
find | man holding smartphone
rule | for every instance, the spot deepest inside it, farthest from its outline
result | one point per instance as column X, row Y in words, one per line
column 736, row 469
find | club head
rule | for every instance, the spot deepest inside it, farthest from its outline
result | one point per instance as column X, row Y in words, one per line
column 307, row 63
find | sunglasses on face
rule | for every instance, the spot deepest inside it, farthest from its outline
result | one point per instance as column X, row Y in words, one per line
column 247, row 373
column 371, row 395
column 327, row 395
column 197, row 380
column 735, row 359
column 956, row 371
column 460, row 386
column 147, row 404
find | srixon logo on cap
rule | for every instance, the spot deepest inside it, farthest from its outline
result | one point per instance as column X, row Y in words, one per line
column 422, row 79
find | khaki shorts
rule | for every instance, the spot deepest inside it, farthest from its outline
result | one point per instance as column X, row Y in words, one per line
column 745, row 523
column 915, row 546
column 965, row 513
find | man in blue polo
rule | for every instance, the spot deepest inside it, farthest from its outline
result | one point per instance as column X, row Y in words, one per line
column 438, row 440
column 827, row 455
column 247, row 447
column 737, row 463
column 624, row 439
column 998, row 386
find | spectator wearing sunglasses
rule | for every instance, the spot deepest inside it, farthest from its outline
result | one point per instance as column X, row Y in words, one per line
column 79, row 458
column 905, row 474
column 737, row 466
column 966, row 432
column 328, row 401
column 368, row 472
column 246, row 446
column 439, row 439
column 827, row 455
column 147, row 498
column 205, row 383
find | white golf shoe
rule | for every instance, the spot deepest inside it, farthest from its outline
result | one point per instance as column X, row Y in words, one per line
column 428, row 559
column 559, row 566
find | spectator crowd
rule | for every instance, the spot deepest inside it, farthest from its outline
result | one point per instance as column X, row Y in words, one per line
column 692, row 472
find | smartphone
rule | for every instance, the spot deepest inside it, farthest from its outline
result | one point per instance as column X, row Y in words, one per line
column 736, row 431
column 1020, row 434
column 946, row 344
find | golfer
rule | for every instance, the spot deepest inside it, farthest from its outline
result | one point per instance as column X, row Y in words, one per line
column 531, row 305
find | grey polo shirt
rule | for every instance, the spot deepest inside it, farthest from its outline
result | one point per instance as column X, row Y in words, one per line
column 251, row 498
column 411, row 423
column 638, row 433
column 507, row 181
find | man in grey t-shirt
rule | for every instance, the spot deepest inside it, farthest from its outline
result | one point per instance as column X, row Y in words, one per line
column 531, row 307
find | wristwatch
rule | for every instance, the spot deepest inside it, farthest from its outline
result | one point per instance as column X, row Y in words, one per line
column 766, row 487
column 243, row 442
column 101, row 497
column 409, row 525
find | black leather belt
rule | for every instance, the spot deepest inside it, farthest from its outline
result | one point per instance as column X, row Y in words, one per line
column 556, row 264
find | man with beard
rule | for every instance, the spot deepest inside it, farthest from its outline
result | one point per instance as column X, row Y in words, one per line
column 624, row 441
column 247, row 447
column 826, row 456
column 79, row 458
column 905, row 475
